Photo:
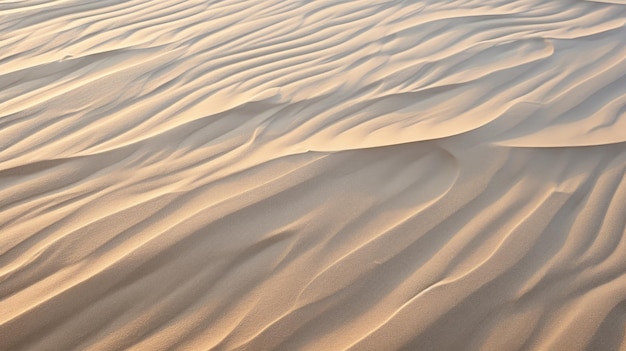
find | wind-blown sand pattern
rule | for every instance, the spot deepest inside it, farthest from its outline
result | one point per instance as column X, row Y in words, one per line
column 312, row 175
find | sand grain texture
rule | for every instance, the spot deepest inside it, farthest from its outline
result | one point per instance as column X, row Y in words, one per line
column 312, row 175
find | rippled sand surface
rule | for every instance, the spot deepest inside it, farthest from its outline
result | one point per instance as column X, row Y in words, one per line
column 312, row 175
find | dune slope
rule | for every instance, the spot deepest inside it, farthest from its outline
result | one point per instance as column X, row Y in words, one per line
column 312, row 175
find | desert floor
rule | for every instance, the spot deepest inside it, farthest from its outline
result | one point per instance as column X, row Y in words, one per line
column 312, row 175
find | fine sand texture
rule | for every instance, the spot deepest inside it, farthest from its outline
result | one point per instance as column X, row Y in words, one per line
column 313, row 175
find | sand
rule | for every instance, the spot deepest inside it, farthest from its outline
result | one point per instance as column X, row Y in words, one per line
column 312, row 175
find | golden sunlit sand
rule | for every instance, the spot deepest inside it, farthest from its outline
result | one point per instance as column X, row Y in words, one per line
column 312, row 175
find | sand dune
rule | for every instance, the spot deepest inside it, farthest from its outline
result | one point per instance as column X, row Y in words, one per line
column 321, row 175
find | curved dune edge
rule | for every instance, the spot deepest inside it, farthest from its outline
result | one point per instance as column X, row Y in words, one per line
column 324, row 175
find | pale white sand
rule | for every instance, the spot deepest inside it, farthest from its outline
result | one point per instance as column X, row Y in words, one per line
column 312, row 175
